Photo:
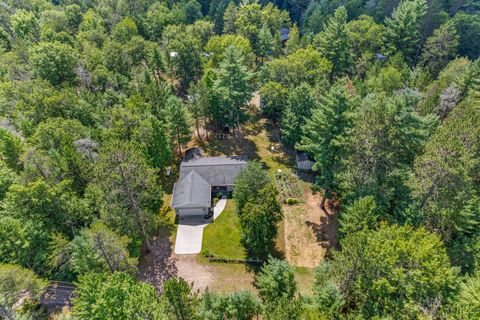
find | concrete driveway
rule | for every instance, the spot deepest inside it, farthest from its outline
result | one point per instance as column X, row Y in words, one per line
column 190, row 230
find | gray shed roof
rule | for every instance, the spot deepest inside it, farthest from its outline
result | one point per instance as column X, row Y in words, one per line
column 218, row 171
column 304, row 161
column 191, row 191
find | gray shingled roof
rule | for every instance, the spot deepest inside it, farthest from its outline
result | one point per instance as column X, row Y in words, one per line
column 191, row 191
column 218, row 171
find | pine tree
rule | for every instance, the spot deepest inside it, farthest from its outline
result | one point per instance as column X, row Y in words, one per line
column 402, row 29
column 233, row 86
column 440, row 48
column 300, row 103
column 469, row 81
column 324, row 137
column 387, row 135
column 10, row 149
column 178, row 120
column 293, row 42
column 229, row 17
column 265, row 42
column 333, row 42
column 360, row 215
column 445, row 183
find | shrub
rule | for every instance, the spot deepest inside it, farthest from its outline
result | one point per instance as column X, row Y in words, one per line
column 292, row 201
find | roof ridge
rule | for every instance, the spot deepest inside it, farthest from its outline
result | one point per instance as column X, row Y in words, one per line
column 191, row 185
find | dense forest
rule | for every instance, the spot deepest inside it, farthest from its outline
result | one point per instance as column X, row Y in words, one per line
column 99, row 97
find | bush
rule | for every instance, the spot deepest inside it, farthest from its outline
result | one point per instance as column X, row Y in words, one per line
column 291, row 201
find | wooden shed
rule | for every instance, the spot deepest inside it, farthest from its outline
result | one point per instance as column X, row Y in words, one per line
column 304, row 161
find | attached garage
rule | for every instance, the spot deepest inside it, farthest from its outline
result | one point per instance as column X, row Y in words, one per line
column 185, row 212
column 192, row 196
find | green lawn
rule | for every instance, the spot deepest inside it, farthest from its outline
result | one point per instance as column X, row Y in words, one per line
column 222, row 238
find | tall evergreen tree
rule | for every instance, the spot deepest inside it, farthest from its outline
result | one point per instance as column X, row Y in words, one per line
column 333, row 42
column 178, row 120
column 300, row 104
column 178, row 293
column 402, row 29
column 324, row 136
column 445, row 184
column 233, row 86
column 440, row 48
column 10, row 149
column 387, row 134
column 265, row 42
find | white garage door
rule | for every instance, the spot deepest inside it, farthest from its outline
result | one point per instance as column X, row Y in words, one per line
column 192, row 212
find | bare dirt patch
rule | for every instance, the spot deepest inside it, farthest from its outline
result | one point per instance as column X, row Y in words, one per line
column 309, row 232
column 218, row 277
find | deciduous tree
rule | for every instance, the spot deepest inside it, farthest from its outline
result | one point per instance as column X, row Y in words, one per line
column 18, row 287
column 131, row 194
column 248, row 181
column 259, row 219
column 115, row 296
column 393, row 272
column 98, row 249
column 54, row 62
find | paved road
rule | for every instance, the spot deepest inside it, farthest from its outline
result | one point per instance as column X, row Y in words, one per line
column 190, row 231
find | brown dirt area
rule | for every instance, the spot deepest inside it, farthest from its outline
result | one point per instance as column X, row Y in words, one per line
column 309, row 232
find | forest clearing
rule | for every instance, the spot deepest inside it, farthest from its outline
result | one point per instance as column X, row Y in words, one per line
column 239, row 159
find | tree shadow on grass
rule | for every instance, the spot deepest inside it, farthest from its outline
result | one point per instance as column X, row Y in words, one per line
column 232, row 145
column 325, row 232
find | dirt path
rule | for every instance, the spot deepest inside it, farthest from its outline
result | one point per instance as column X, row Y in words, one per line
column 309, row 232
column 162, row 264
column 189, row 269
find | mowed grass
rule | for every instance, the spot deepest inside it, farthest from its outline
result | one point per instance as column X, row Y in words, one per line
column 222, row 238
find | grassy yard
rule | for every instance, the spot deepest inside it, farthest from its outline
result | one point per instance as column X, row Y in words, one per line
column 222, row 237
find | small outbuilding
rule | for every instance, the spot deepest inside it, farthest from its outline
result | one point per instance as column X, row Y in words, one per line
column 304, row 161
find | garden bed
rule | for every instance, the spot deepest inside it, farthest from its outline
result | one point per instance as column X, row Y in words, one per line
column 288, row 188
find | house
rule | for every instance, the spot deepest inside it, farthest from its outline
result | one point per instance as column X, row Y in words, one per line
column 199, row 178
column 304, row 161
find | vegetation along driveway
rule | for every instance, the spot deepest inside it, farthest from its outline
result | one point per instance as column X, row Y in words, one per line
column 190, row 231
